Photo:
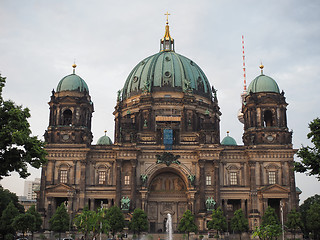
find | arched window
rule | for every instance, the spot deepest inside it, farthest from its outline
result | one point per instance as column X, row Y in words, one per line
column 67, row 117
column 267, row 117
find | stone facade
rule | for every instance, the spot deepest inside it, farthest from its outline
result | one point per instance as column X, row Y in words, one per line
column 163, row 178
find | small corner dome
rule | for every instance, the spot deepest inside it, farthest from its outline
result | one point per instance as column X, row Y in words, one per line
column 72, row 82
column 229, row 141
column 263, row 83
column 104, row 140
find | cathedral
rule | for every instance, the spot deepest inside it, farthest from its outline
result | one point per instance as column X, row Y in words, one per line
column 167, row 156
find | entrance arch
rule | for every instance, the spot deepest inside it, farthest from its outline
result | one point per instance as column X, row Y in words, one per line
column 167, row 193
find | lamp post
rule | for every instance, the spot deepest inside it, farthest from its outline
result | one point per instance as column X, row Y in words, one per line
column 281, row 209
column 101, row 204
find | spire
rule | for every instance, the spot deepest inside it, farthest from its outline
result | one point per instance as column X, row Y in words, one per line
column 167, row 42
column 261, row 67
column 74, row 68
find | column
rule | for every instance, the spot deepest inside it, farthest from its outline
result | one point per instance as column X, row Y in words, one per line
column 217, row 183
column 202, row 184
column 83, row 165
column 261, row 174
column 118, row 182
column 133, row 184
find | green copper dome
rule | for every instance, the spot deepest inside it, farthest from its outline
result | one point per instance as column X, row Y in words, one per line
column 167, row 71
column 72, row 82
column 104, row 140
column 229, row 141
column 263, row 83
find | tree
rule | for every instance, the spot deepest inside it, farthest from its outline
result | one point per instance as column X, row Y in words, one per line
column 24, row 222
column 313, row 223
column 6, row 197
column 83, row 221
column 218, row 222
column 270, row 224
column 239, row 223
column 310, row 155
column 90, row 221
column 7, row 218
column 139, row 221
column 304, row 210
column 268, row 232
column 59, row 221
column 17, row 147
column 115, row 220
column 294, row 222
column 187, row 223
column 37, row 219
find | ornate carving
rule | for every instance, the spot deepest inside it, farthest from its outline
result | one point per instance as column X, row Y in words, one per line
column 125, row 203
column 192, row 179
column 144, row 179
column 168, row 158
column 210, row 203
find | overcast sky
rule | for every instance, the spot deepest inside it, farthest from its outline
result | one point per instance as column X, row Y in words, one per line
column 39, row 41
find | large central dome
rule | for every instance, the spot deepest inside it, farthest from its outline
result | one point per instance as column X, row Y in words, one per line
column 167, row 71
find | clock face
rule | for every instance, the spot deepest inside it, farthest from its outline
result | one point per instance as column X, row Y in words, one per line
column 65, row 136
column 270, row 138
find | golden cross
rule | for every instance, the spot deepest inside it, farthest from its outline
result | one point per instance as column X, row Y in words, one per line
column 167, row 16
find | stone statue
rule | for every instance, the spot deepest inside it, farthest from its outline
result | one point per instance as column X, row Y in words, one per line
column 119, row 96
column 146, row 87
column 144, row 179
column 210, row 203
column 187, row 85
column 191, row 179
column 125, row 203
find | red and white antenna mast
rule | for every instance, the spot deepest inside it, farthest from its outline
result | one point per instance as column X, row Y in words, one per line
column 244, row 68
column 244, row 93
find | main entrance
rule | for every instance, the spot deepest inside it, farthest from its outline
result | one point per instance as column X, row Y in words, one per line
column 167, row 194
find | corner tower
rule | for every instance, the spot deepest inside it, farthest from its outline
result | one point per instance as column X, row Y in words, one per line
column 70, row 112
column 264, row 111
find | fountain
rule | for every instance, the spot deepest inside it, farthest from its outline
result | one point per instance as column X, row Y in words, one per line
column 169, row 227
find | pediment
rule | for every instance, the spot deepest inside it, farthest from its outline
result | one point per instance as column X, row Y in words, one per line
column 60, row 188
column 275, row 188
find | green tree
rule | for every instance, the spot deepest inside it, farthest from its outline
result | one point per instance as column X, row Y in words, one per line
column 17, row 147
column 59, row 221
column 187, row 224
column 313, row 223
column 90, row 221
column 268, row 232
column 139, row 221
column 115, row 220
column 7, row 218
column 6, row 197
column 239, row 223
column 37, row 218
column 304, row 209
column 24, row 222
column 84, row 222
column 310, row 155
column 270, row 224
column 270, row 217
column 294, row 222
column 218, row 222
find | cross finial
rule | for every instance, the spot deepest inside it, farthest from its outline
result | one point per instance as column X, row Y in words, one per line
column 167, row 16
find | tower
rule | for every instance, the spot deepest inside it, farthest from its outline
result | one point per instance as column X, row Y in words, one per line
column 70, row 112
column 264, row 109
